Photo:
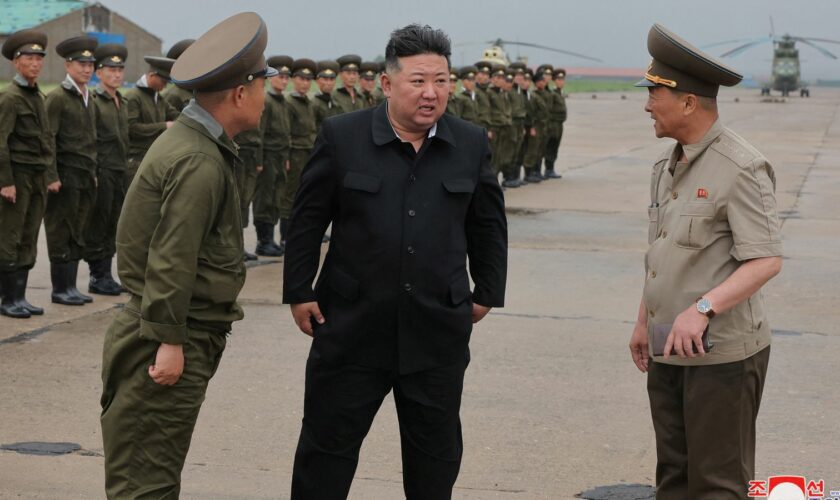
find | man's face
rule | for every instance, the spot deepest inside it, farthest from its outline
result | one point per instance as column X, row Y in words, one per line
column 350, row 78
column 279, row 83
column 325, row 85
column 156, row 82
column 301, row 84
column 79, row 71
column 468, row 83
column 665, row 108
column 482, row 77
column 367, row 85
column 417, row 93
column 559, row 82
column 526, row 84
column 29, row 66
column 519, row 79
column 498, row 81
column 541, row 83
column 111, row 77
column 254, row 102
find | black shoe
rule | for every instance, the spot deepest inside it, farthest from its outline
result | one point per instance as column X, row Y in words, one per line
column 265, row 240
column 101, row 282
column 58, row 276
column 8, row 306
column 511, row 183
column 533, row 177
column 113, row 284
column 551, row 174
column 21, row 280
column 72, row 274
column 248, row 256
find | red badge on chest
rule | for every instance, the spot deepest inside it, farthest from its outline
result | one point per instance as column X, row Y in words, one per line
column 702, row 193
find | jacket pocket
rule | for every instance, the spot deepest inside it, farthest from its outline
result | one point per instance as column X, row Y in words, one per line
column 344, row 284
column 653, row 224
column 28, row 125
column 362, row 182
column 694, row 229
column 459, row 290
column 456, row 186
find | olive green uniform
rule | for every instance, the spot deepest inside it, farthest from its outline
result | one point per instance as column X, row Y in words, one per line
column 324, row 107
column 467, row 106
column 519, row 118
column 250, row 157
column 276, row 138
column 538, row 115
column 177, row 97
column 148, row 113
column 346, row 103
column 26, row 162
column 452, row 107
column 180, row 255
column 302, row 139
column 500, row 122
column 482, row 101
column 368, row 98
column 111, row 158
column 73, row 126
column 557, row 115
column 378, row 96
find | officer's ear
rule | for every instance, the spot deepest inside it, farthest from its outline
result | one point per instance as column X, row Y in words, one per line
column 690, row 103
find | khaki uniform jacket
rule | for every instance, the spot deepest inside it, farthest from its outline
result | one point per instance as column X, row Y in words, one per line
column 274, row 125
column 518, row 106
column 368, row 98
column 500, row 110
column 146, row 119
column 301, row 121
column 177, row 97
column 179, row 240
column 707, row 216
column 345, row 104
column 378, row 96
column 482, row 99
column 25, row 137
column 467, row 107
column 73, row 126
column 111, row 131
column 324, row 107
column 557, row 110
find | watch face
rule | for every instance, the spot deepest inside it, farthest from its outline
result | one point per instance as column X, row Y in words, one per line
column 704, row 306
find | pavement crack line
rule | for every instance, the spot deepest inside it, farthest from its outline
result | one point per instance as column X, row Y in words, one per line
column 37, row 332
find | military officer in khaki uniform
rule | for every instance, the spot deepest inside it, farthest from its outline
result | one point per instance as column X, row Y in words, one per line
column 518, row 96
column 271, row 182
column 180, row 256
column 482, row 97
column 467, row 106
column 148, row 112
column 326, row 74
column 27, row 169
column 367, row 83
column 72, row 121
column 176, row 96
column 250, row 165
column 499, row 119
column 378, row 94
column 714, row 242
column 346, row 97
column 538, row 113
column 451, row 105
column 111, row 158
column 557, row 116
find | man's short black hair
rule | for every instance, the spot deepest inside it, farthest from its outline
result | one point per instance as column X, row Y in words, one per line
column 414, row 40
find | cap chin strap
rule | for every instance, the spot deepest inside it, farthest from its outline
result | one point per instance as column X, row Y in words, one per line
column 660, row 81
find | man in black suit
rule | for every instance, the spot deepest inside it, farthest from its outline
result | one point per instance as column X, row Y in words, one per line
column 410, row 195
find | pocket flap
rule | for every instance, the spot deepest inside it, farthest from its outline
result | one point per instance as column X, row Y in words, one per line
column 459, row 185
column 362, row 182
column 459, row 290
column 699, row 209
column 344, row 284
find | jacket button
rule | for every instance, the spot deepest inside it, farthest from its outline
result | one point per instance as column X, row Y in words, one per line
column 653, row 274
column 675, row 195
column 652, row 314
column 412, row 213
column 664, row 233
column 412, row 178
column 407, row 287
column 410, row 249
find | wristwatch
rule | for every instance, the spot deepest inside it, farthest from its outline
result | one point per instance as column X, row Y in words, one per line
column 704, row 306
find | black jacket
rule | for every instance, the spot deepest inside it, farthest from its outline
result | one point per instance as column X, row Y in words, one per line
column 394, row 288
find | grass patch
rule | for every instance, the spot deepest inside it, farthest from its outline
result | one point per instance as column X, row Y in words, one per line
column 582, row 85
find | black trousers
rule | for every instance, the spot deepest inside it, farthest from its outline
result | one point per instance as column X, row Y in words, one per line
column 340, row 403
column 704, row 421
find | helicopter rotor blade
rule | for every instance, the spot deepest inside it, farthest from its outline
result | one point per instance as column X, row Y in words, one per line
column 740, row 40
column 742, row 48
column 823, row 51
column 823, row 40
column 772, row 28
column 552, row 49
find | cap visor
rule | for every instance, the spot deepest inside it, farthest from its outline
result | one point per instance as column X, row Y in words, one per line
column 270, row 71
column 644, row 82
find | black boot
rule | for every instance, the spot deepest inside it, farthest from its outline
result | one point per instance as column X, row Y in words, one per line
column 101, row 282
column 58, row 276
column 532, row 175
column 8, row 306
column 512, row 179
column 72, row 274
column 21, row 280
column 264, row 240
column 106, row 270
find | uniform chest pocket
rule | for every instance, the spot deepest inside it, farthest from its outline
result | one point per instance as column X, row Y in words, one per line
column 695, row 226
column 653, row 223
column 362, row 182
column 28, row 125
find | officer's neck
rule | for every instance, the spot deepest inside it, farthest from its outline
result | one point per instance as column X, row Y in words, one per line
column 695, row 127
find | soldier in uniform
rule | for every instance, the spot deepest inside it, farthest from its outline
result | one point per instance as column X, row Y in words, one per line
column 111, row 158
column 346, row 97
column 557, row 116
column 482, row 96
column 148, row 112
column 378, row 94
column 72, row 121
column 529, row 136
column 519, row 116
column 451, row 105
column 302, row 137
column 27, row 169
column 499, row 119
column 176, row 96
column 367, row 83
column 467, row 105
column 714, row 242
column 327, row 72
column 180, row 256
column 271, row 182
column 250, row 165
column 538, row 113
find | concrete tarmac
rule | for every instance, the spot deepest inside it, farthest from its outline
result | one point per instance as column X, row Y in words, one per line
column 553, row 404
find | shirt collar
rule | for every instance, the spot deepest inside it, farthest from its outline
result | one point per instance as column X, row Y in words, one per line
column 202, row 117
column 692, row 151
column 21, row 81
column 383, row 131
column 70, row 84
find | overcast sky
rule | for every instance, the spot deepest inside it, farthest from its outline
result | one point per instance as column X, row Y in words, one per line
column 612, row 30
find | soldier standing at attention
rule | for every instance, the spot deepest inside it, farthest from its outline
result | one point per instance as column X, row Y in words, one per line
column 557, row 116
column 538, row 111
column 525, row 82
column 519, row 114
column 499, row 118
column 250, row 165
column 111, row 157
column 367, row 83
column 303, row 129
column 482, row 96
column 378, row 94
column 176, row 96
column 327, row 72
column 271, row 182
column 180, row 256
column 467, row 96
column 346, row 97
column 148, row 112
column 27, row 169
column 451, row 104
column 72, row 122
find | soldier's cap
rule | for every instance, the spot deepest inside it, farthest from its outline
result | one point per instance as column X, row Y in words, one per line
column 453, row 75
column 304, row 68
column 369, row 70
column 529, row 74
column 509, row 77
column 559, row 73
column 679, row 65
column 483, row 66
column 227, row 55
column 78, row 48
column 327, row 69
column 497, row 70
column 545, row 69
column 162, row 66
column 176, row 50
column 349, row 62
column 25, row 42
column 283, row 64
column 110, row 54
column 468, row 72
column 517, row 67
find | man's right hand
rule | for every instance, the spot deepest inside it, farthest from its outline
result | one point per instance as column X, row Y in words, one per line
column 54, row 187
column 303, row 314
column 639, row 347
column 169, row 124
column 9, row 193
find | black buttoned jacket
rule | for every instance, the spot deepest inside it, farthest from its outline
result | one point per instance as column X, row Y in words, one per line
column 394, row 287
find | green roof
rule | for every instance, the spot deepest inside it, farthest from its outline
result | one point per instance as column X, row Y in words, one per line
column 16, row 15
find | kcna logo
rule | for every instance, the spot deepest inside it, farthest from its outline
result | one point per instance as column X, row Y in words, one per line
column 790, row 488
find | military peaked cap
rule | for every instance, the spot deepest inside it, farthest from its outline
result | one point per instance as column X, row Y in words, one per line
column 679, row 65
column 498, row 70
column 283, row 64
column 110, row 54
column 305, row 68
column 160, row 65
column 25, row 42
column 483, row 66
column 545, row 69
column 327, row 69
column 368, row 70
column 78, row 48
column 517, row 67
column 349, row 62
column 468, row 72
column 176, row 50
column 559, row 73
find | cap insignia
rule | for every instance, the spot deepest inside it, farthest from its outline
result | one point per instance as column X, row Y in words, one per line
column 87, row 53
column 116, row 59
column 35, row 46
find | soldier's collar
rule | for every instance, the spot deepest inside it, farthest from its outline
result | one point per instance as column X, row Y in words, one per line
column 21, row 81
column 104, row 93
column 692, row 151
column 200, row 115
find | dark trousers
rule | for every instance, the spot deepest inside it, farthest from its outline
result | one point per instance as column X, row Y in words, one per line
column 552, row 144
column 339, row 406
column 246, row 181
column 21, row 221
column 67, row 215
column 704, row 420
column 101, row 233
column 271, row 184
column 297, row 160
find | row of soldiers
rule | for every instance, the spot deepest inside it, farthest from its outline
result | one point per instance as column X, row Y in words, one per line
column 67, row 158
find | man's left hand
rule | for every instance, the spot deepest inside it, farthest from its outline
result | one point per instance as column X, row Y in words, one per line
column 479, row 312
column 687, row 330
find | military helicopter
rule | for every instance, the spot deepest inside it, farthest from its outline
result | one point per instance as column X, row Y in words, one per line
column 786, row 71
column 495, row 53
